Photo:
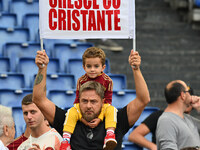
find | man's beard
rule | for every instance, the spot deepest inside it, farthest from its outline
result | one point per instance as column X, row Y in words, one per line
column 89, row 118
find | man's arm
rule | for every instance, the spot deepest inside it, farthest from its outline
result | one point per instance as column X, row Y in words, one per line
column 135, row 107
column 138, row 137
column 39, row 90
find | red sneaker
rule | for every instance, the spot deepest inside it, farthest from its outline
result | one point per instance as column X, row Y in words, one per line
column 65, row 145
column 109, row 142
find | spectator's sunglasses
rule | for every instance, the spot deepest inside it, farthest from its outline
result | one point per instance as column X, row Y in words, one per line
column 190, row 90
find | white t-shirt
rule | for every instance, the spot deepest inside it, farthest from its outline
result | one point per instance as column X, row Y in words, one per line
column 2, row 147
column 48, row 141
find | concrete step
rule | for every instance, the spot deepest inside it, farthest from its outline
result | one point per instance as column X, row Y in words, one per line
column 158, row 67
column 171, row 75
column 142, row 24
column 159, row 53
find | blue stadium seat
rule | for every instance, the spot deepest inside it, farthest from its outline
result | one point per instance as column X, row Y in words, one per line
column 131, row 146
column 4, row 5
column 125, row 138
column 25, row 6
column 1, row 5
column 31, row 21
column 122, row 98
column 17, row 50
column 147, row 111
column 8, row 20
column 66, row 51
column 75, row 67
column 119, row 81
column 197, row 3
column 62, row 98
column 5, row 64
column 11, row 81
column 13, row 98
column 28, row 67
column 20, row 124
column 60, row 82
column 13, row 35
column 49, row 43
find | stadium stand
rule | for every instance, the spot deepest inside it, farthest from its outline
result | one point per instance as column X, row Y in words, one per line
column 197, row 3
column 17, row 50
column 1, row 5
column 147, row 111
column 13, row 98
column 12, row 81
column 122, row 98
column 19, row 121
column 8, row 20
column 62, row 98
column 28, row 67
column 171, row 35
column 31, row 21
column 61, row 81
column 66, row 51
column 25, row 6
column 49, row 43
column 119, row 81
column 5, row 64
column 4, row 5
column 131, row 146
column 12, row 35
column 194, row 11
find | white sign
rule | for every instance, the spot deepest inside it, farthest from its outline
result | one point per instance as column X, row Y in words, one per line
column 86, row 19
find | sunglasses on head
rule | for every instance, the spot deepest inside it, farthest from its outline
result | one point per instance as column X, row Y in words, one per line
column 190, row 90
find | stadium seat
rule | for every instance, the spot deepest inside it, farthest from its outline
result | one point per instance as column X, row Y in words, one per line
column 17, row 50
column 11, row 81
column 122, row 98
column 60, row 81
column 20, row 124
column 13, row 98
column 49, row 43
column 62, row 98
column 31, row 21
column 66, row 51
column 4, row 5
column 1, row 5
column 147, row 111
column 8, row 20
column 131, row 146
column 13, row 35
column 119, row 81
column 197, row 3
column 28, row 67
column 25, row 6
column 75, row 67
column 5, row 64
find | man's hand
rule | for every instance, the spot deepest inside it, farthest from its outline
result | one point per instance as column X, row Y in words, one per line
column 196, row 102
column 94, row 123
column 35, row 147
column 41, row 59
column 134, row 60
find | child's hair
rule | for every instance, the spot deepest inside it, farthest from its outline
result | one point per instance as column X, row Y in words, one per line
column 94, row 52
